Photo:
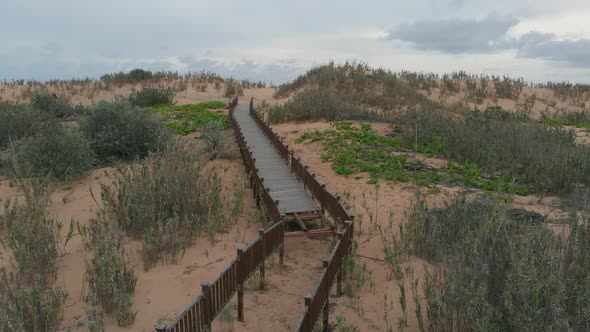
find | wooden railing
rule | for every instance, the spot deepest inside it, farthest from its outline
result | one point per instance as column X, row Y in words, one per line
column 317, row 300
column 215, row 295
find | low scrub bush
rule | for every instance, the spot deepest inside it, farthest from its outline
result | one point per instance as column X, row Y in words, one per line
column 318, row 104
column 165, row 201
column 109, row 274
column 19, row 121
column 500, row 269
column 117, row 130
column 54, row 151
column 216, row 139
column 147, row 97
column 52, row 105
column 545, row 159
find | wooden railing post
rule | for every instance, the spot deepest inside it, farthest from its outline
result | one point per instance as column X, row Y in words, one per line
column 161, row 328
column 307, row 301
column 340, row 270
column 262, row 272
column 282, row 248
column 240, row 286
column 327, row 304
column 208, row 312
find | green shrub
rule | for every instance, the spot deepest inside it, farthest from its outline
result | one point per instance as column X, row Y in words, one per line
column 19, row 121
column 49, row 103
column 546, row 159
column 117, row 130
column 165, row 201
column 318, row 104
column 500, row 269
column 55, row 151
column 148, row 97
column 215, row 137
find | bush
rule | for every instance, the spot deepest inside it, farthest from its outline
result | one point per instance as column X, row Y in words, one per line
column 544, row 158
column 503, row 270
column 55, row 151
column 19, row 121
column 117, row 130
column 148, row 97
column 215, row 138
column 110, row 277
column 165, row 201
column 318, row 104
column 233, row 88
column 49, row 103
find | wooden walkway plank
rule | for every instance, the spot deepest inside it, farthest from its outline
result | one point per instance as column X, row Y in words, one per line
column 282, row 185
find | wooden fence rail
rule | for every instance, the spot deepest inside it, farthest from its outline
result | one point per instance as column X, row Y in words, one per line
column 317, row 300
column 215, row 295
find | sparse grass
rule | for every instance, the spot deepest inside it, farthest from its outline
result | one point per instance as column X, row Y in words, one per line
column 187, row 119
column 165, row 201
column 497, row 270
column 109, row 275
column 28, row 299
column 26, row 306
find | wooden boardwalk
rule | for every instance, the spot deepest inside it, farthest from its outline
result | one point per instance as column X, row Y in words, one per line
column 280, row 183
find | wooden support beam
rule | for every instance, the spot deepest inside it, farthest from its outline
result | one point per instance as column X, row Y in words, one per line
column 300, row 222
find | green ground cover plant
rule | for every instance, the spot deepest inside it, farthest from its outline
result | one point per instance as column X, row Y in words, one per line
column 186, row 119
column 357, row 148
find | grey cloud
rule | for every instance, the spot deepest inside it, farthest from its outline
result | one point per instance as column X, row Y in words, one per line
column 546, row 46
column 455, row 35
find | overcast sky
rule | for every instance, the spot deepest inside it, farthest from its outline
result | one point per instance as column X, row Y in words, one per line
column 276, row 40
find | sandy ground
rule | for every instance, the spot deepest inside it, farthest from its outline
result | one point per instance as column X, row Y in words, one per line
column 167, row 289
